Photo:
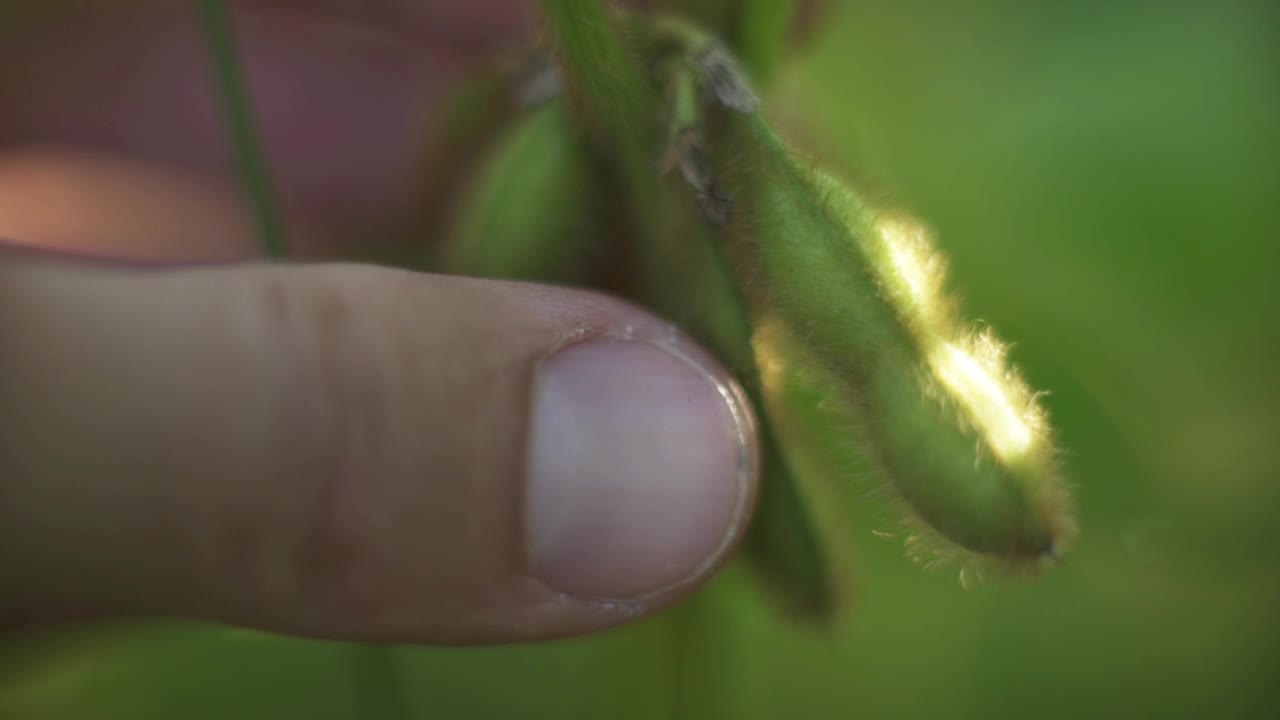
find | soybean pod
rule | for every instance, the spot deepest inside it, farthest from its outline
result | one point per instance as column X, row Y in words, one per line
column 955, row 429
column 534, row 209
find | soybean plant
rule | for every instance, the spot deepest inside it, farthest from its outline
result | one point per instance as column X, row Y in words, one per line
column 657, row 157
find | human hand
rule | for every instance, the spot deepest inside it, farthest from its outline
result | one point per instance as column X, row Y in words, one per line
column 328, row 450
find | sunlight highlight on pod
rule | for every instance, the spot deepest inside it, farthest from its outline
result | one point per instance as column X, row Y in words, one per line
column 972, row 369
column 953, row 426
column 978, row 381
column 917, row 268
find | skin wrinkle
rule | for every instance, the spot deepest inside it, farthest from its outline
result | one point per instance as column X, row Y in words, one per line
column 376, row 591
column 346, row 555
column 478, row 594
column 311, row 328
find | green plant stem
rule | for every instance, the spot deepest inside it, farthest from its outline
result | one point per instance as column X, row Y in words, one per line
column 238, row 112
column 380, row 683
column 684, row 275
column 607, row 85
column 759, row 35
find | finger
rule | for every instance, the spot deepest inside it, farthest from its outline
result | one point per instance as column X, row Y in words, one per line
column 104, row 204
column 344, row 104
column 468, row 26
column 98, row 203
column 357, row 453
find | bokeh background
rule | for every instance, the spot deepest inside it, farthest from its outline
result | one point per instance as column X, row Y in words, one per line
column 1105, row 178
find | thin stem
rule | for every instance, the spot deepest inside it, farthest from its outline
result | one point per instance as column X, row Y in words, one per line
column 606, row 81
column 238, row 111
column 380, row 683
column 760, row 35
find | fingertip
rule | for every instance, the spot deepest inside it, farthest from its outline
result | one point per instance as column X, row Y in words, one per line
column 641, row 468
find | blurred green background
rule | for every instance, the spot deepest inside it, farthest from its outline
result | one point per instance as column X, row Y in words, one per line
column 1105, row 178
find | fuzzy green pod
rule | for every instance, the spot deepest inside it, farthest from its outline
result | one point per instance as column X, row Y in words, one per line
column 679, row 268
column 955, row 429
column 684, row 275
column 533, row 207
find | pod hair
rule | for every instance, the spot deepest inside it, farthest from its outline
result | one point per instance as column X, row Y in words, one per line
column 957, row 431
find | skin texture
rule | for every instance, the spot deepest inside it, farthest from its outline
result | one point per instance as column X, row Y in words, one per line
column 329, row 450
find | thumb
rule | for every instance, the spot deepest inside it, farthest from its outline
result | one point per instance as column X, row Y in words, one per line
column 356, row 453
